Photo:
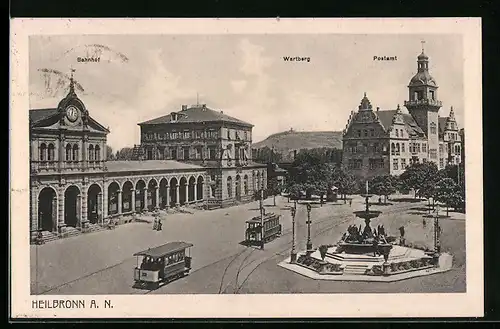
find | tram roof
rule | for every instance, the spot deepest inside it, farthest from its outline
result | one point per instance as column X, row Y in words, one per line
column 165, row 249
column 266, row 217
column 117, row 166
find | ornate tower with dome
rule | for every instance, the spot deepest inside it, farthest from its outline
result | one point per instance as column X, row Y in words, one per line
column 423, row 104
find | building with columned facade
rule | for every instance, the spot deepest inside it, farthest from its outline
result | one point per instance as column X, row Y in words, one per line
column 74, row 189
column 384, row 142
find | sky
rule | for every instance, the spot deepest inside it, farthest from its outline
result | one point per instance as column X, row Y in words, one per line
column 140, row 77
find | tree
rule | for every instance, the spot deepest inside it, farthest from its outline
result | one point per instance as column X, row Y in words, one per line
column 447, row 192
column 383, row 186
column 345, row 182
column 417, row 175
column 125, row 153
column 274, row 188
column 267, row 155
column 311, row 173
column 109, row 153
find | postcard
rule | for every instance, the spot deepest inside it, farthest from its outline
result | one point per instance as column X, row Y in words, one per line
column 243, row 168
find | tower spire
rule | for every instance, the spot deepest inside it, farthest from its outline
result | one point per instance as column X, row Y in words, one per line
column 422, row 42
column 72, row 82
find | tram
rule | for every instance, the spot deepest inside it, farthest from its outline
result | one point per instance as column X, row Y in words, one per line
column 255, row 235
column 160, row 265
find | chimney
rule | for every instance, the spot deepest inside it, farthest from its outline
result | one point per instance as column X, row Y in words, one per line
column 294, row 154
column 378, row 108
column 222, row 112
column 184, row 107
column 204, row 107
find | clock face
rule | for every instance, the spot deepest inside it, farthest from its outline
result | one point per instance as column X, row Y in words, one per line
column 72, row 113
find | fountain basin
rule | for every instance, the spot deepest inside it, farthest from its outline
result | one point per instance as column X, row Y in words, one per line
column 367, row 214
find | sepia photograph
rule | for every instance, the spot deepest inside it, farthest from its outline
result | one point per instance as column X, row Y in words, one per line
column 247, row 163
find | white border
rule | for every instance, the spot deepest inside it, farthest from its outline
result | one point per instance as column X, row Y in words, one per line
column 279, row 305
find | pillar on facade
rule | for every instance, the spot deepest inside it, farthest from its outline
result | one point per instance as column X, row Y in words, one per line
column 99, row 207
column 84, row 195
column 104, row 203
column 186, row 193
column 34, row 210
column 195, row 187
column 177, row 192
column 54, row 215
column 167, row 201
column 119, row 207
column 157, row 197
column 60, row 209
column 133, row 200
column 145, row 198
column 79, row 210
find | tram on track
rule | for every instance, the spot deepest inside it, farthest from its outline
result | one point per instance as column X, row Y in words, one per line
column 262, row 230
column 160, row 265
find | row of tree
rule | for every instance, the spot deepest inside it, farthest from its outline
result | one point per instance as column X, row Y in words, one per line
column 311, row 174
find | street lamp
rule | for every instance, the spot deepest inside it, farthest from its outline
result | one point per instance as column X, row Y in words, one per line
column 437, row 242
column 293, row 254
column 309, row 243
column 261, row 219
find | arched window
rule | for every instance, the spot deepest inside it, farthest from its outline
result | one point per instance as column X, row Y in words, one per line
column 75, row 152
column 91, row 152
column 393, row 149
column 43, row 152
column 397, row 148
column 245, row 185
column 457, row 149
column 97, row 153
column 229, row 187
column 68, row 152
column 50, row 153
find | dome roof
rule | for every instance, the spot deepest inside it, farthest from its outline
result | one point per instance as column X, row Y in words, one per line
column 422, row 56
column 423, row 78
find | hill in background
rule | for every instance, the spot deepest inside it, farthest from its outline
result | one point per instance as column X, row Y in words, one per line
column 286, row 142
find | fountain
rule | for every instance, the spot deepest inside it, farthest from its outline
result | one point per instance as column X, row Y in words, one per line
column 367, row 255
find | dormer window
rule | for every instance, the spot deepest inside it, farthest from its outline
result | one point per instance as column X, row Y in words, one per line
column 173, row 117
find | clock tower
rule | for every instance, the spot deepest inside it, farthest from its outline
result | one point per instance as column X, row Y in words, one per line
column 423, row 103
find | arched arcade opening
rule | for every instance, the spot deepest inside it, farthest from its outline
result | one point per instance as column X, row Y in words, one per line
column 47, row 209
column 72, row 206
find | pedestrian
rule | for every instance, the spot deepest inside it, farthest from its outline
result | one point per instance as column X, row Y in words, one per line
column 350, row 202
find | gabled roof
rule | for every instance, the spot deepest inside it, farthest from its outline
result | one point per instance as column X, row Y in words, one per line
column 442, row 125
column 411, row 125
column 40, row 114
column 196, row 114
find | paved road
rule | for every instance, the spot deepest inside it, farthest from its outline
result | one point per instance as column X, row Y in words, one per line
column 102, row 263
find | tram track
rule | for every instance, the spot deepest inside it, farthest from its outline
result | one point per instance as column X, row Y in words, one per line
column 344, row 218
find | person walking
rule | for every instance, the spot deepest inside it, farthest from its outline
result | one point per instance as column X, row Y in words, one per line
column 350, row 202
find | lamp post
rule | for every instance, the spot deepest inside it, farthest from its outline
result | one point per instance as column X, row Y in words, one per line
column 293, row 254
column 261, row 219
column 309, row 243
column 437, row 243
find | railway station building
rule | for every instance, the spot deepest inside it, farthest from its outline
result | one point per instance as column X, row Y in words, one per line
column 195, row 157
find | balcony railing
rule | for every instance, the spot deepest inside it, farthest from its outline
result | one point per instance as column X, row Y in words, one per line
column 430, row 102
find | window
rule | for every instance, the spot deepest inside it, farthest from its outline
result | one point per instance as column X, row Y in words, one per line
column 97, row 153
column 355, row 163
column 174, row 135
column 441, row 162
column 433, row 128
column 433, row 153
column 245, row 134
column 69, row 152
column 229, row 134
column 372, row 132
column 43, row 151
column 365, row 132
column 457, row 149
column 393, row 149
column 397, row 149
column 229, row 187
column 376, row 147
column 245, row 185
column 403, row 163
column 75, row 152
column 431, row 92
column 375, row 163
column 424, row 147
column 211, row 153
column 397, row 132
column 186, row 153
column 173, row 153
column 418, row 147
column 359, row 133
column 403, row 147
column 401, row 132
column 395, row 164
column 198, row 152
column 440, row 148
column 187, row 134
column 50, row 153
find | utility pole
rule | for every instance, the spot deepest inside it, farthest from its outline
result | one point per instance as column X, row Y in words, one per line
column 293, row 254
column 309, row 243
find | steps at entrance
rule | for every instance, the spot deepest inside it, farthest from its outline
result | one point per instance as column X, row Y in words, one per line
column 94, row 228
column 71, row 231
column 49, row 236
column 356, row 269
